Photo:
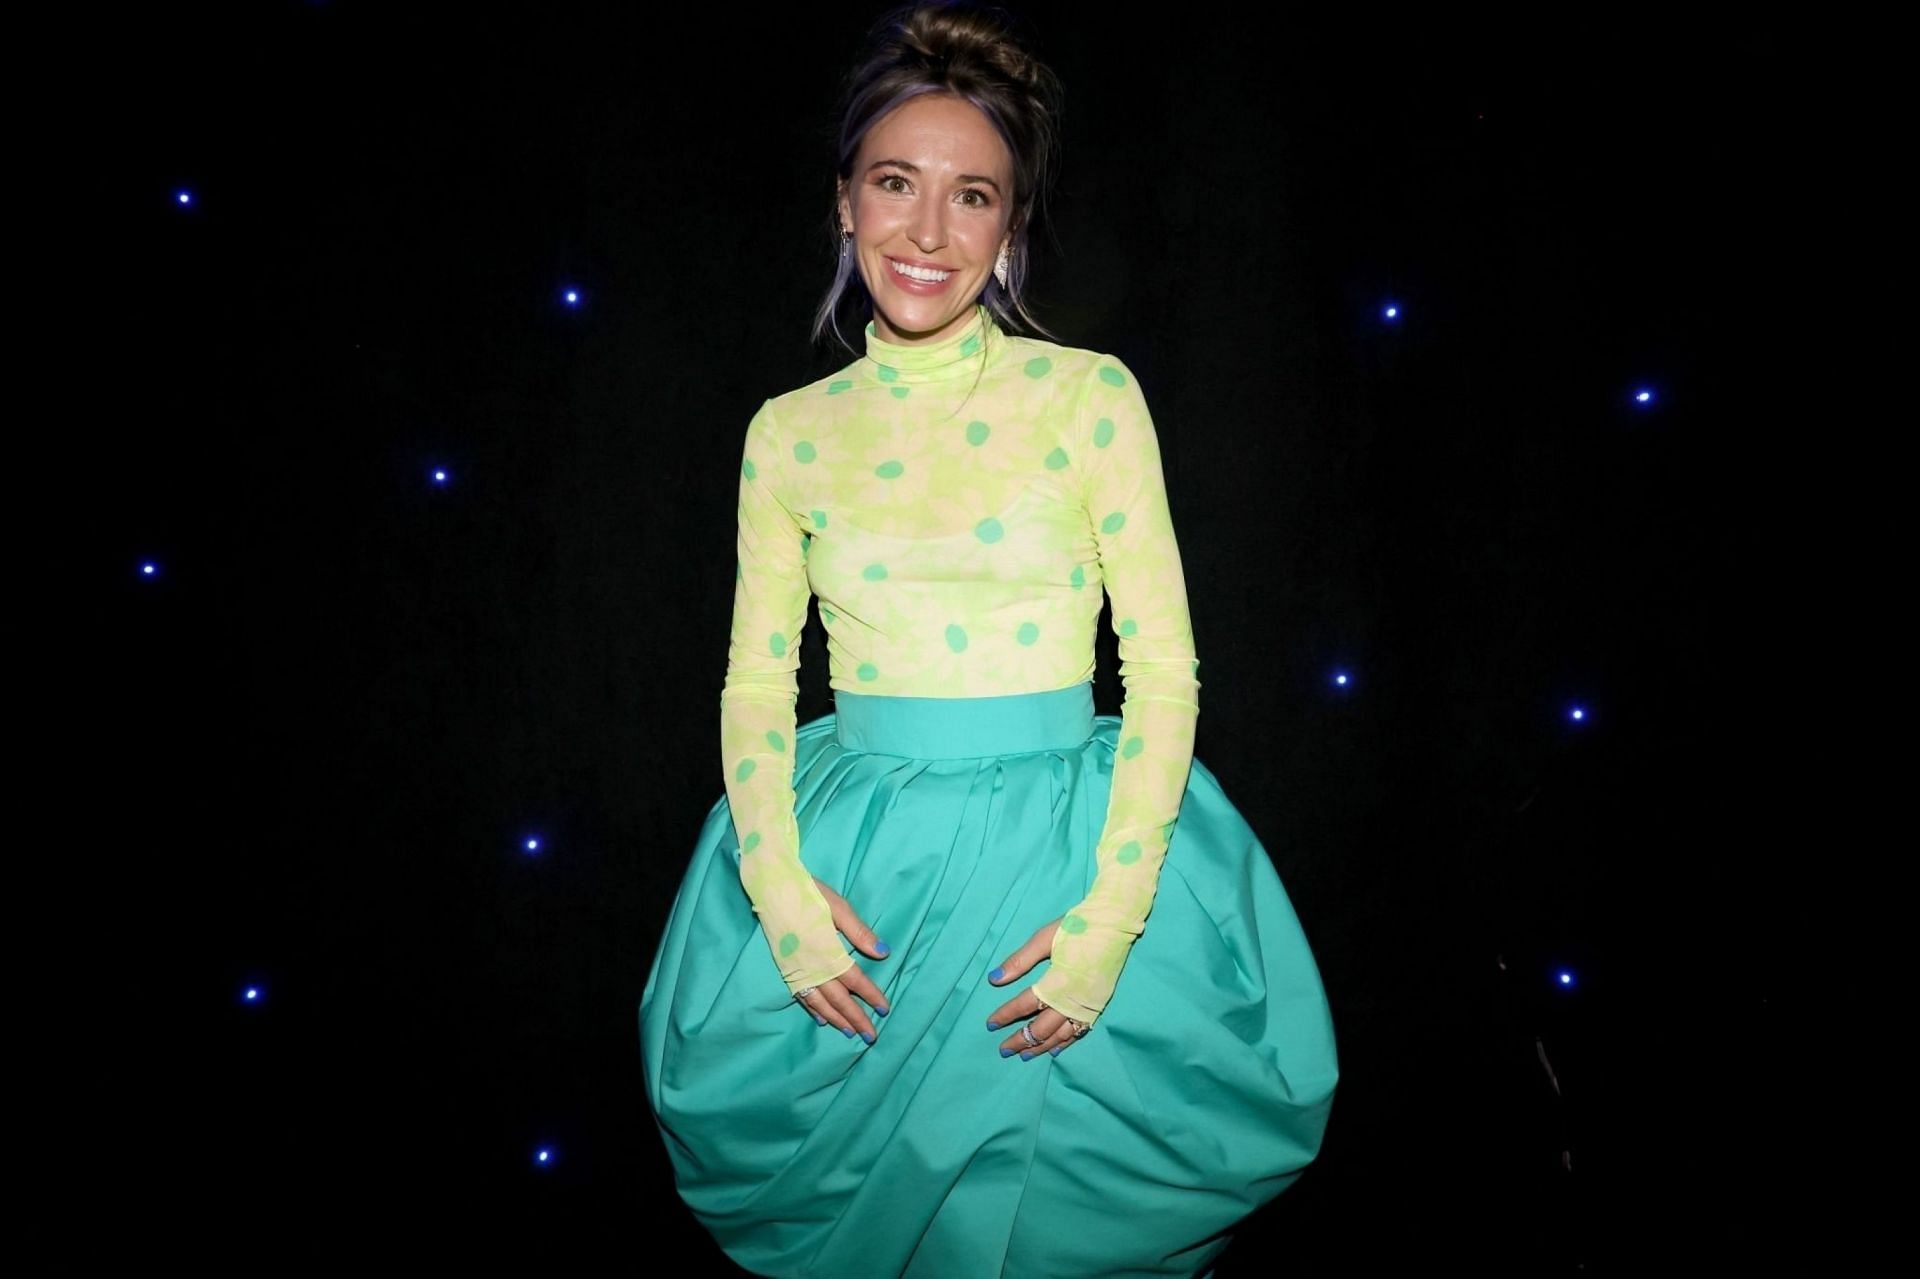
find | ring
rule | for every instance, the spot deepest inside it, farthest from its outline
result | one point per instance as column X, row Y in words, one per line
column 1079, row 1027
column 1026, row 1033
column 802, row 994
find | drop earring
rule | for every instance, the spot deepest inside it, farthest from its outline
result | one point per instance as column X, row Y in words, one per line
column 1000, row 267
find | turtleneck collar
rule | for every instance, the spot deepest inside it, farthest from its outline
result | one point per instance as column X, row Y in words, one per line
column 953, row 356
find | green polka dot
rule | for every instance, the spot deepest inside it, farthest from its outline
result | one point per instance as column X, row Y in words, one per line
column 971, row 345
column 1133, row 747
column 835, row 387
column 890, row 470
column 1056, row 459
column 819, row 519
column 828, row 615
column 989, row 530
column 1039, row 366
column 743, row 772
column 803, row 452
column 901, row 392
column 1196, row 667
column 753, row 842
column 805, row 543
column 1027, row 633
column 977, row 433
column 1079, row 578
column 889, row 374
column 874, row 572
column 778, row 643
column 1129, row 853
column 1129, row 627
column 776, row 741
column 746, row 469
column 868, row 672
column 1103, row 432
column 1113, row 523
column 1073, row 924
column 788, row 945
column 957, row 637
column 1112, row 376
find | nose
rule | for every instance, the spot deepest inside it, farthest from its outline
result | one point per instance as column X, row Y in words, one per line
column 929, row 226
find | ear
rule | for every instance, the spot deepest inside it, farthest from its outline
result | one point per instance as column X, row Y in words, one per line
column 845, row 205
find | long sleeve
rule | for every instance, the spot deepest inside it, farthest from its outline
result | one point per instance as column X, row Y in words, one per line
column 757, row 720
column 1126, row 501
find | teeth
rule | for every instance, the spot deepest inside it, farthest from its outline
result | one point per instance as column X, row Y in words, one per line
column 921, row 273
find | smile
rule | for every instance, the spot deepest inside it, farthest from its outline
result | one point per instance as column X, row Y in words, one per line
column 923, row 274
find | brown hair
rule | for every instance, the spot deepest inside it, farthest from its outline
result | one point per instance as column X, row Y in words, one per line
column 976, row 53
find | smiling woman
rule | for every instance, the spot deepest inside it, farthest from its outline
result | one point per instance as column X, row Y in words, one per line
column 995, row 1097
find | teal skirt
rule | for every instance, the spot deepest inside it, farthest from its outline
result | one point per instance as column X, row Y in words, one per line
column 957, row 827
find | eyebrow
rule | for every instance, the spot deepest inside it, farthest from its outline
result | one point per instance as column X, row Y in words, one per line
column 914, row 168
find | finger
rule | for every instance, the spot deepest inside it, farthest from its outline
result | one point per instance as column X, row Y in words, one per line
column 851, row 1020
column 1060, row 1040
column 862, row 985
column 1038, row 947
column 855, row 929
column 1044, row 1027
column 1024, row 1004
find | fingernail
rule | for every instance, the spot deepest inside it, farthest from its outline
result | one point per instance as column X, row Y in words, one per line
column 995, row 975
column 1026, row 1056
column 994, row 1025
column 882, row 947
column 847, row 1031
column 1054, row 1051
column 1006, row 1052
column 821, row 1020
column 864, row 1035
column 882, row 1011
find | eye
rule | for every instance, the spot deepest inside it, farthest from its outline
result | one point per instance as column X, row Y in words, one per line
column 980, row 199
column 885, row 178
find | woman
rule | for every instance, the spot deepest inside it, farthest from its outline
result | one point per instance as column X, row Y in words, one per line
column 958, row 497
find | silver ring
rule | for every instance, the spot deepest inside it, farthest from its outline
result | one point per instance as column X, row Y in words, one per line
column 802, row 994
column 1026, row 1033
column 1079, row 1027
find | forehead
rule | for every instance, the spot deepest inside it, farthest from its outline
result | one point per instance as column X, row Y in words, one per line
column 938, row 131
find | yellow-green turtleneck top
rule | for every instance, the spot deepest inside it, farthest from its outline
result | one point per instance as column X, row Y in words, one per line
column 958, row 508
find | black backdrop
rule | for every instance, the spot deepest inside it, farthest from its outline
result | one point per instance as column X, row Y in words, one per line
column 305, row 752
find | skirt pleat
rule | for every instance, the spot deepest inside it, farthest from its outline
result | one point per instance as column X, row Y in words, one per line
column 1201, row 1093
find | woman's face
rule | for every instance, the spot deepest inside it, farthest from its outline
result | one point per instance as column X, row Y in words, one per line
column 929, row 190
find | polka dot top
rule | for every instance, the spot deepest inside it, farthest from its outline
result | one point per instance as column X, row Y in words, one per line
column 958, row 509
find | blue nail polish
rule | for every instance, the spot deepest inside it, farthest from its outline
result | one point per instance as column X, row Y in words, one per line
column 864, row 1035
column 1054, row 1051
column 1026, row 1056
column 821, row 1020
column 883, row 1011
column 993, row 1025
column 883, row 948
column 1006, row 1052
column 996, row 975
column 848, row 1032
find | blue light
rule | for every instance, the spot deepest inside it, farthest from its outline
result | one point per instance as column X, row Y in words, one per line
column 1566, row 978
column 1578, row 714
column 573, row 297
column 543, row 1157
column 1643, row 397
column 1340, row 679
column 251, row 994
column 1392, row 311
column 533, row 846
column 149, row 569
column 439, row 476
column 185, row 197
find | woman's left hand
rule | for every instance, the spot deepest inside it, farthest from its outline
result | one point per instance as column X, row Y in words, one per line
column 1052, row 1029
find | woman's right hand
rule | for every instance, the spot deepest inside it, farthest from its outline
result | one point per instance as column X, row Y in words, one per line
column 832, row 1002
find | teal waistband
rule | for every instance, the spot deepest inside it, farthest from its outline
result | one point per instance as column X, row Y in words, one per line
column 964, row 727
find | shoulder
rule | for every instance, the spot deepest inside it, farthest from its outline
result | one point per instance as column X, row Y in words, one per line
column 1037, row 356
column 804, row 399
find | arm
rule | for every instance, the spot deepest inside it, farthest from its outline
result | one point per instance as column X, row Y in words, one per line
column 1127, row 501
column 757, row 721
